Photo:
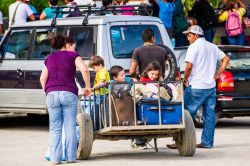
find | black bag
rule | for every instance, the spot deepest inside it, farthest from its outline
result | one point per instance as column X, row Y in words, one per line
column 122, row 109
column 74, row 11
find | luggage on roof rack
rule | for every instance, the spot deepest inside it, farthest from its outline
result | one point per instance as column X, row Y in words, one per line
column 87, row 10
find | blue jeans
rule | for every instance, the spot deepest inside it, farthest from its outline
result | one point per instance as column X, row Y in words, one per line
column 193, row 99
column 209, row 34
column 62, row 107
column 236, row 40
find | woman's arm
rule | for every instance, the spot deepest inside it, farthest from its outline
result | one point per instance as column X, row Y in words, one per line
column 43, row 16
column 85, row 74
column 44, row 77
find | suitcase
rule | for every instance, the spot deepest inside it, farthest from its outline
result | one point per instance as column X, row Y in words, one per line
column 147, row 111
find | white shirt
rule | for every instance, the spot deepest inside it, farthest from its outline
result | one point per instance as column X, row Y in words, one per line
column 204, row 56
column 22, row 13
column 1, row 17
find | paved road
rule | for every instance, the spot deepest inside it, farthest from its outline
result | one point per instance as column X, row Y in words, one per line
column 23, row 142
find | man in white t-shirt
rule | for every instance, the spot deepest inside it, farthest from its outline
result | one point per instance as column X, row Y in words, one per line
column 22, row 14
column 199, row 79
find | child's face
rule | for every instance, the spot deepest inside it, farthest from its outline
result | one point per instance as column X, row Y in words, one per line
column 120, row 77
column 153, row 75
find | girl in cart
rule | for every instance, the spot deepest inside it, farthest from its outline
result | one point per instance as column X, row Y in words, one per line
column 150, row 90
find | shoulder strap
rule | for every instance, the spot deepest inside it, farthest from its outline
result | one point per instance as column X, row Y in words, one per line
column 14, row 15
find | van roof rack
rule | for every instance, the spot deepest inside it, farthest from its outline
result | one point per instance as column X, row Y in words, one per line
column 87, row 10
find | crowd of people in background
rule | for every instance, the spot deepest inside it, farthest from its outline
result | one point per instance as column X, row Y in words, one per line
column 171, row 13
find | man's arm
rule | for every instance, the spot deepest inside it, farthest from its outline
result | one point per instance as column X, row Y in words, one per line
column 133, row 66
column 32, row 17
column 223, row 65
column 187, row 72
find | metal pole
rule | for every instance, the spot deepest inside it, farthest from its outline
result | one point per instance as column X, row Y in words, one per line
column 159, row 102
column 134, row 104
column 104, row 109
column 110, row 112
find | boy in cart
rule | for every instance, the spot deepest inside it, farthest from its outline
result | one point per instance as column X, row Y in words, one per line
column 102, row 78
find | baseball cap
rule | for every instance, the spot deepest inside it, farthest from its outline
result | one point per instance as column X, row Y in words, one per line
column 196, row 29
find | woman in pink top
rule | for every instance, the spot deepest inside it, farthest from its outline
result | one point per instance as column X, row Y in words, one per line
column 126, row 10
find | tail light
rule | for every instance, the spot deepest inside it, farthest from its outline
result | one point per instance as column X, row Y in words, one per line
column 226, row 82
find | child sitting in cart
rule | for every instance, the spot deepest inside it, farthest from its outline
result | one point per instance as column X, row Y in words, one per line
column 117, row 75
column 150, row 90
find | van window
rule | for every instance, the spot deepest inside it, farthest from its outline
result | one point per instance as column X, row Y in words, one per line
column 18, row 45
column 85, row 38
column 128, row 37
column 42, row 45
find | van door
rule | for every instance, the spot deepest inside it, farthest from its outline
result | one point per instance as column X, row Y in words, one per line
column 40, row 49
column 14, row 53
column 86, row 38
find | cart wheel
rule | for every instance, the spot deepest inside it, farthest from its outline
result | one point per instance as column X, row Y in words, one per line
column 86, row 136
column 186, row 141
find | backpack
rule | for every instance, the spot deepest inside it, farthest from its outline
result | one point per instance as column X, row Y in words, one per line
column 233, row 24
column 74, row 11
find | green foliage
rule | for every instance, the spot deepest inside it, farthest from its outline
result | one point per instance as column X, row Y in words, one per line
column 39, row 5
column 188, row 4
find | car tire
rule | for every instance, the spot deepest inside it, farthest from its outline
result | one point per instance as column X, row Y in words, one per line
column 86, row 136
column 186, row 139
column 172, row 62
column 199, row 119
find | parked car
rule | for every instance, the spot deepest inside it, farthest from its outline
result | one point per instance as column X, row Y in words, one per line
column 25, row 46
column 233, row 87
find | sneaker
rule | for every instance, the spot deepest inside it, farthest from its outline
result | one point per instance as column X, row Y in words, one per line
column 138, row 147
column 139, row 143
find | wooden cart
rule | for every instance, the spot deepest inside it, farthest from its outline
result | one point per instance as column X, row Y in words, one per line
column 183, row 132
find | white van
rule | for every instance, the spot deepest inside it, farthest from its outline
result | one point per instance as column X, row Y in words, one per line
column 25, row 46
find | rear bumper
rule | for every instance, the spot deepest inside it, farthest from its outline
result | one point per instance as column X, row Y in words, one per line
column 233, row 105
